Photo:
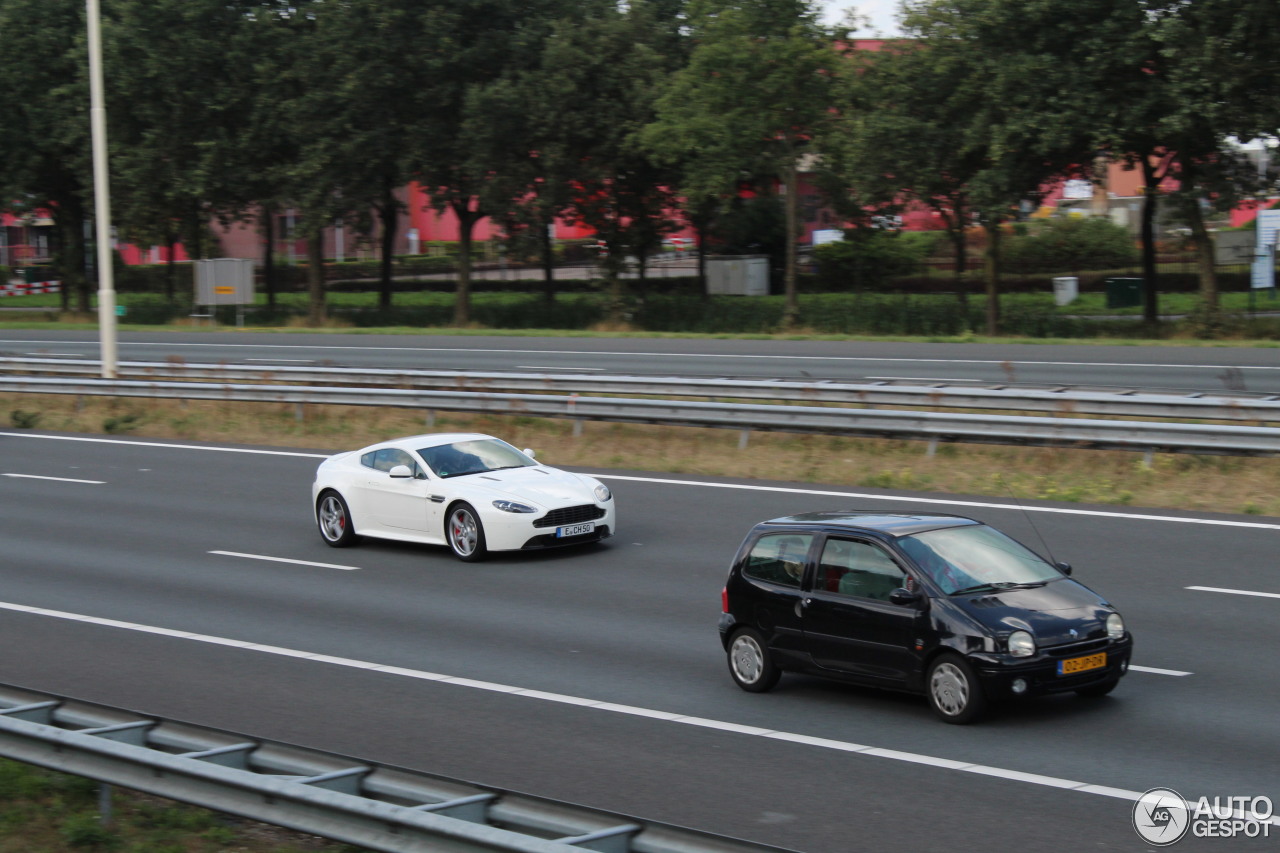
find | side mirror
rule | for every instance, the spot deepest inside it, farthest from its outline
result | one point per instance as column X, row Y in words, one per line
column 903, row 596
column 1065, row 568
column 400, row 472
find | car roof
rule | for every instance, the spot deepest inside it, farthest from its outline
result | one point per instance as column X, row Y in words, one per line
column 889, row 523
column 414, row 442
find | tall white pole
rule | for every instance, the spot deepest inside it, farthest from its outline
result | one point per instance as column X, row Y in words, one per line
column 101, row 196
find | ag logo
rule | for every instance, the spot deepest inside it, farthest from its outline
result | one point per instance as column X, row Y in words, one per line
column 1161, row 816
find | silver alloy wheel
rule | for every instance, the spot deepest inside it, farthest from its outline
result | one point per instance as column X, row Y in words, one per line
column 950, row 689
column 333, row 518
column 464, row 532
column 747, row 658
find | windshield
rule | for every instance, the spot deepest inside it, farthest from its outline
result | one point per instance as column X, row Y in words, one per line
column 975, row 559
column 473, row 457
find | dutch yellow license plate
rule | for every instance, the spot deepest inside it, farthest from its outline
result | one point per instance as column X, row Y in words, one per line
column 1071, row 666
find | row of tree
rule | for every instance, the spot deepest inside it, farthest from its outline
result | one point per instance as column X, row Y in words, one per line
column 616, row 115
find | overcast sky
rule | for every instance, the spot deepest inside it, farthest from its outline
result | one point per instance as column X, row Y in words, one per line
column 881, row 13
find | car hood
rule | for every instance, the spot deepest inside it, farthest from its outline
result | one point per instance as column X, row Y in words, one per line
column 549, row 487
column 1049, row 612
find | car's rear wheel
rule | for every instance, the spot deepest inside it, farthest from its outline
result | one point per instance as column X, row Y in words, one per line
column 750, row 663
column 953, row 690
column 1095, row 690
column 334, row 519
column 465, row 533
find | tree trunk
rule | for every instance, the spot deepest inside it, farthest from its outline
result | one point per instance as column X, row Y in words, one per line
column 388, row 211
column 171, row 269
column 1151, row 186
column 467, row 219
column 791, row 309
column 548, row 261
column 991, row 276
column 315, row 278
column 70, row 259
column 1203, row 241
column 268, row 224
column 700, row 234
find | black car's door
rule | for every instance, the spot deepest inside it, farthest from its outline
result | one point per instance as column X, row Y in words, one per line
column 850, row 626
column 769, row 594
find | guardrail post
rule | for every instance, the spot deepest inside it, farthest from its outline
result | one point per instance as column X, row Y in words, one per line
column 742, row 439
column 104, row 804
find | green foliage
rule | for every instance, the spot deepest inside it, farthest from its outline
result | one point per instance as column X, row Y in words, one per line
column 1071, row 244
column 121, row 424
column 867, row 259
column 86, row 830
column 23, row 419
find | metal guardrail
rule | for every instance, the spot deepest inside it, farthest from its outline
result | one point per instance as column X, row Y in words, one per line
column 358, row 802
column 1060, row 400
column 1089, row 433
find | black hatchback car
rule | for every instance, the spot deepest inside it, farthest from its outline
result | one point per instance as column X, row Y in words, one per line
column 936, row 604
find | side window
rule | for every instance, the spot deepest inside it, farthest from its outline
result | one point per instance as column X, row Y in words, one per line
column 367, row 459
column 779, row 558
column 389, row 457
column 859, row 569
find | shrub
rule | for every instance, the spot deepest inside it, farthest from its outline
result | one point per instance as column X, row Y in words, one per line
column 1068, row 244
column 868, row 259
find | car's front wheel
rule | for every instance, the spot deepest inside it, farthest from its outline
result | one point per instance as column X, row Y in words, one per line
column 750, row 663
column 334, row 519
column 465, row 533
column 953, row 690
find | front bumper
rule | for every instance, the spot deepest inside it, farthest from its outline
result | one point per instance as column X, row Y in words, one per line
column 1038, row 675
column 511, row 531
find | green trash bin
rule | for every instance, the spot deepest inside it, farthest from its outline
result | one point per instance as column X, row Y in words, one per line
column 31, row 275
column 1124, row 292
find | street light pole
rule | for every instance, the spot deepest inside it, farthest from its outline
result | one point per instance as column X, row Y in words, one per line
column 101, row 193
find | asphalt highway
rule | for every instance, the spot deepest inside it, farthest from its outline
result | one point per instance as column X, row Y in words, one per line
column 1183, row 369
column 188, row 581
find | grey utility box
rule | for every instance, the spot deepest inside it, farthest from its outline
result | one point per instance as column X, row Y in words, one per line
column 224, row 281
column 1066, row 289
column 738, row 275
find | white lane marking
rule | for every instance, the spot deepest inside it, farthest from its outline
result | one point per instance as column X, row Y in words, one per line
column 286, row 560
column 1156, row 671
column 1235, row 591
column 57, row 479
column 54, row 354
column 1133, row 516
column 557, row 367
column 558, row 698
column 919, row 379
column 1130, row 516
column 680, row 355
column 164, row 445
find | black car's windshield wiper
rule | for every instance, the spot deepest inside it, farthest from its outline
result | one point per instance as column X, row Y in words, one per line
column 983, row 587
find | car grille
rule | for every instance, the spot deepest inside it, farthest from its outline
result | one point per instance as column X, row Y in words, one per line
column 1073, row 649
column 570, row 515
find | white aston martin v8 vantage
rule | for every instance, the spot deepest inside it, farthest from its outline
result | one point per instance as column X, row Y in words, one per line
column 472, row 492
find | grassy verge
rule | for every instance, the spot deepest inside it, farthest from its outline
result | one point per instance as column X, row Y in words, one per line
column 1173, row 481
column 46, row 812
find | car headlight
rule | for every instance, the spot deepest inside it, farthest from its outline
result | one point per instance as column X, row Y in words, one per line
column 602, row 492
column 1021, row 644
column 512, row 506
column 1115, row 626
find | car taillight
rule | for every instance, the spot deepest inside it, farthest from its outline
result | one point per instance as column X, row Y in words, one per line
column 724, row 600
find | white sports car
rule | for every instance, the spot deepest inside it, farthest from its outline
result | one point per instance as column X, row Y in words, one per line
column 472, row 492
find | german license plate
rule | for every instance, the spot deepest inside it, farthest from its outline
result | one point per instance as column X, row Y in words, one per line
column 1071, row 666
column 576, row 529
